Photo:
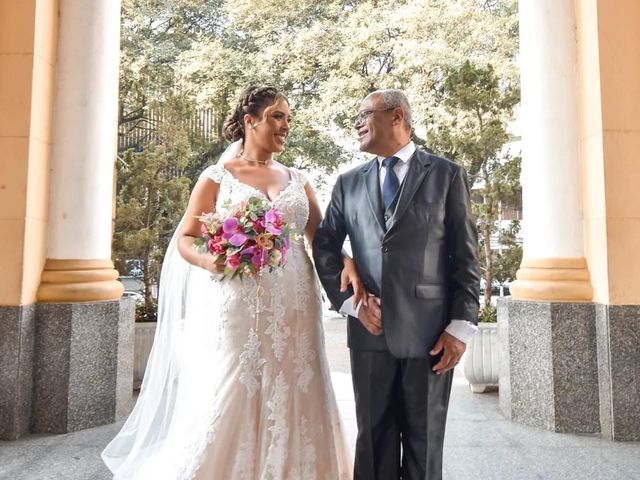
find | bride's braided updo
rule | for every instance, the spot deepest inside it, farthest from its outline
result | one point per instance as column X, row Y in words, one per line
column 252, row 101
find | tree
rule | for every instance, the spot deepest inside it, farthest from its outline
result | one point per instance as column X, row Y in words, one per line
column 507, row 260
column 153, row 35
column 328, row 55
column 473, row 132
column 152, row 195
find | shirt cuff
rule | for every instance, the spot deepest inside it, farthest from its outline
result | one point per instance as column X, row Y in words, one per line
column 463, row 330
column 348, row 309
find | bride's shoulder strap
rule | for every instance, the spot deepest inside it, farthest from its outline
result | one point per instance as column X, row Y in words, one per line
column 299, row 176
column 213, row 172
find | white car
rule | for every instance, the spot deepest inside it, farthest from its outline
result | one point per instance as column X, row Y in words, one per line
column 137, row 296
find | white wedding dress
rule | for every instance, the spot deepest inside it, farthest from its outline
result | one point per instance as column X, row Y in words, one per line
column 250, row 394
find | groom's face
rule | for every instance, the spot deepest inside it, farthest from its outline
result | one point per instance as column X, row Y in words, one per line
column 374, row 125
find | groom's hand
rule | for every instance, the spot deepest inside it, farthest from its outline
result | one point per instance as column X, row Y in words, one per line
column 350, row 276
column 370, row 315
column 453, row 350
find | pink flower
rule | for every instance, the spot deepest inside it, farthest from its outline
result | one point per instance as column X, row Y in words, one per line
column 273, row 222
column 258, row 226
column 211, row 245
column 217, row 245
column 230, row 225
column 272, row 216
column 272, row 229
column 260, row 257
column 237, row 239
column 233, row 262
column 233, row 232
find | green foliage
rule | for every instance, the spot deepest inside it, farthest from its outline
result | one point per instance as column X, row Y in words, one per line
column 152, row 195
column 507, row 261
column 146, row 312
column 477, row 108
column 325, row 55
column 488, row 314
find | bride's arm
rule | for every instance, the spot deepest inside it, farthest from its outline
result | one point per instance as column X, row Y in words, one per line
column 315, row 215
column 350, row 273
column 202, row 200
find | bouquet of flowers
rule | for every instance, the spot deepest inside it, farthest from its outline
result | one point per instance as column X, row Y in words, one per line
column 246, row 239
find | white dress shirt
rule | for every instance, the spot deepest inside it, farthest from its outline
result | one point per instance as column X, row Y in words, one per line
column 463, row 330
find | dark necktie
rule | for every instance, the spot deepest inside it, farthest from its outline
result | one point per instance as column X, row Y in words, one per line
column 391, row 184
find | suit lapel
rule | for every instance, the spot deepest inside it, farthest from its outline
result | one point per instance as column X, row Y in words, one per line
column 418, row 169
column 372, row 182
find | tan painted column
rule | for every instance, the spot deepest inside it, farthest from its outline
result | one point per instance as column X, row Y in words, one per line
column 28, row 37
column 79, row 266
column 553, row 266
column 609, row 49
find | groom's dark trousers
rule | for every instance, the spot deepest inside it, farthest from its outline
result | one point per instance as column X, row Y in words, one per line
column 399, row 401
column 420, row 258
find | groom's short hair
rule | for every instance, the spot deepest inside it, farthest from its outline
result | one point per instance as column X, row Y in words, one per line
column 392, row 98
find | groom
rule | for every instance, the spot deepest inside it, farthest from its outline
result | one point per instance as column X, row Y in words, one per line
column 408, row 217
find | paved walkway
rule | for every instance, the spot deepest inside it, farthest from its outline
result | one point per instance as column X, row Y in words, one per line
column 480, row 444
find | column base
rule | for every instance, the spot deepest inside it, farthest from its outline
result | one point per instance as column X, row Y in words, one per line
column 79, row 281
column 618, row 329
column 17, row 333
column 549, row 371
column 553, row 280
column 83, row 365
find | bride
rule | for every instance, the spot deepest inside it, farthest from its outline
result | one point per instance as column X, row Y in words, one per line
column 238, row 385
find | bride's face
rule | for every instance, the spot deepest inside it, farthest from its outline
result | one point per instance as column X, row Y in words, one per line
column 270, row 131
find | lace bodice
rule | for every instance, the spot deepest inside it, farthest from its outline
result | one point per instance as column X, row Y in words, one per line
column 292, row 200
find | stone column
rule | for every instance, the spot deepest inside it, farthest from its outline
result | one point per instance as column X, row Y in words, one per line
column 549, row 377
column 553, row 267
column 83, row 347
column 79, row 266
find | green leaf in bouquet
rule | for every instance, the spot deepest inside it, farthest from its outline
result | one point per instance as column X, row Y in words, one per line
column 200, row 245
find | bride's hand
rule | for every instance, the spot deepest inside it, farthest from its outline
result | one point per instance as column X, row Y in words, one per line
column 211, row 266
column 350, row 276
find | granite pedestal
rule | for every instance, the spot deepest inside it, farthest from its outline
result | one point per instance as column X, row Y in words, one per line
column 17, row 327
column 618, row 330
column 83, row 365
column 549, row 368
column 65, row 367
column 571, row 367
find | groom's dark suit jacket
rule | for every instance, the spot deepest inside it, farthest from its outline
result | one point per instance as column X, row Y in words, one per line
column 420, row 256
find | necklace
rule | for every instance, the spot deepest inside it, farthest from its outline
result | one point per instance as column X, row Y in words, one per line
column 263, row 162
